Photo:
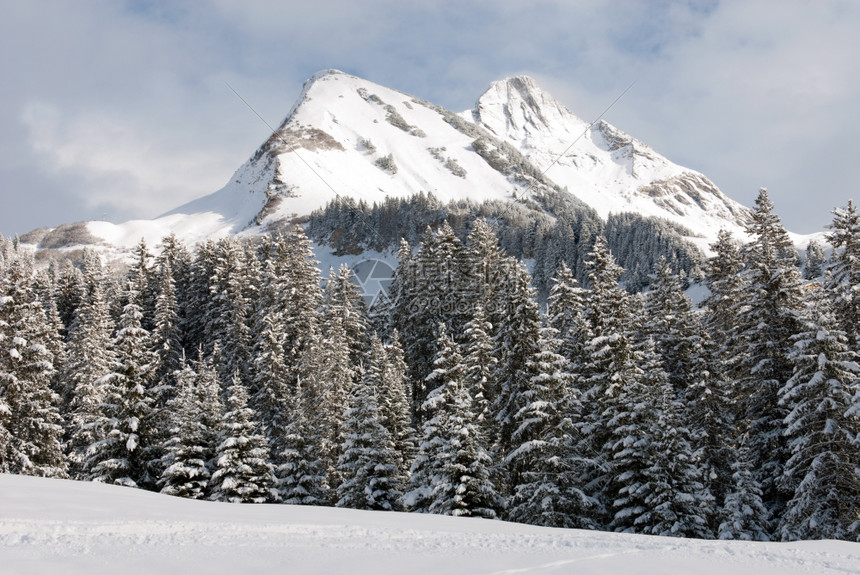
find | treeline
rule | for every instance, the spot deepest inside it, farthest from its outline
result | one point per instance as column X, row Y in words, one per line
column 550, row 228
column 235, row 373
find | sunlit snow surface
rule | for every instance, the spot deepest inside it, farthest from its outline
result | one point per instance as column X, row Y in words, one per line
column 54, row 526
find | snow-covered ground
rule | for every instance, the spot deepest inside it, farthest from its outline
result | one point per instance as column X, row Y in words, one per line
column 54, row 526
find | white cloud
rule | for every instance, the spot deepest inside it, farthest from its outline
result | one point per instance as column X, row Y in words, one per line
column 129, row 169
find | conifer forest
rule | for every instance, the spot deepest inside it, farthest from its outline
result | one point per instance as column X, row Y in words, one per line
column 232, row 371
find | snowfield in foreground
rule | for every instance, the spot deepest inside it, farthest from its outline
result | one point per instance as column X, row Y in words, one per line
column 54, row 526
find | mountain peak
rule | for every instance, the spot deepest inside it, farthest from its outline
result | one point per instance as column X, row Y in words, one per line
column 350, row 137
column 518, row 108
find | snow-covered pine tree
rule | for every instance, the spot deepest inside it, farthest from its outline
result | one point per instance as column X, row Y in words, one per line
column 326, row 374
column 176, row 256
column 823, row 430
column 544, row 460
column 479, row 365
column 652, row 483
column 675, row 330
column 813, row 264
column 687, row 353
column 431, row 287
column 141, row 274
column 125, row 455
column 199, row 305
column 723, row 280
column 677, row 503
column 272, row 392
column 517, row 342
column 565, row 308
column 766, row 322
column 56, row 344
column 404, row 294
column 451, row 474
column 844, row 281
column 743, row 516
column 243, row 472
column 89, row 358
column 68, row 289
column 343, row 304
column 426, row 467
column 300, row 473
column 610, row 366
column 394, row 404
column 31, row 427
column 227, row 318
column 208, row 390
column 297, row 264
column 486, row 271
column 186, row 473
column 166, row 334
column 368, row 465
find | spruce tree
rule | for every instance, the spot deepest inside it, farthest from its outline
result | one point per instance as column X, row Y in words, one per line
column 724, row 302
column 461, row 482
column 298, row 266
column 565, row 309
column 386, row 366
column 766, row 322
column 343, row 304
column 141, row 274
column 30, row 423
column 479, row 364
column 517, row 342
column 167, row 333
column 227, row 315
column 186, row 473
column 271, row 377
column 89, row 359
column 743, row 516
column 243, row 472
column 677, row 503
column 125, row 456
column 300, row 473
column 211, row 413
column 696, row 379
column 813, row 265
column 545, row 461
column 823, row 430
column 844, row 269
column 368, row 465
column 326, row 374
column 431, row 286
column 610, row 366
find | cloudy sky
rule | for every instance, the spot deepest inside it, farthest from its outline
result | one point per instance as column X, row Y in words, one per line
column 120, row 109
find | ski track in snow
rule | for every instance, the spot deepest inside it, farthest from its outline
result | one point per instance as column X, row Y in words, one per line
column 49, row 526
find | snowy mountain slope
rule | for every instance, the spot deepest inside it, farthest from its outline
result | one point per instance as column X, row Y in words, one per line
column 50, row 525
column 609, row 170
column 350, row 137
column 336, row 141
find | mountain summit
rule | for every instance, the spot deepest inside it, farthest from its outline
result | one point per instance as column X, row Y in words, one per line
column 607, row 169
column 348, row 137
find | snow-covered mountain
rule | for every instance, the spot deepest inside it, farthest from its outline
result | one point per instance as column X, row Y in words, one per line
column 349, row 137
column 607, row 169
